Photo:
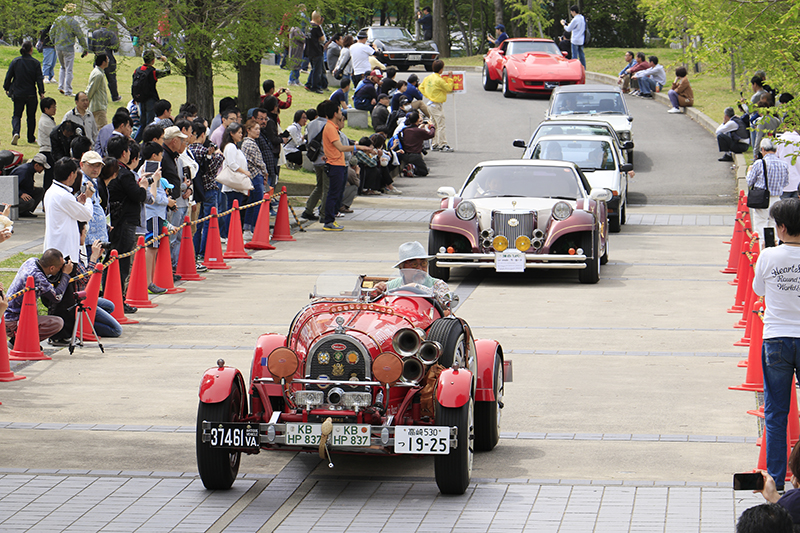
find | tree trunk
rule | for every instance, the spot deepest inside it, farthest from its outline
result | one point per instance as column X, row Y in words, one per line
column 530, row 22
column 440, row 36
column 200, row 81
column 249, row 77
column 498, row 12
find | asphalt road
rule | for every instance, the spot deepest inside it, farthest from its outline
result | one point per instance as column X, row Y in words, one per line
column 615, row 383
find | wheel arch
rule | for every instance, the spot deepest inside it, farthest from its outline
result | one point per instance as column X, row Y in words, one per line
column 488, row 352
column 217, row 384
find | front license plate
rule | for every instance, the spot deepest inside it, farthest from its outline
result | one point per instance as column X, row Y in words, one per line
column 414, row 57
column 343, row 435
column 233, row 435
column 433, row 440
column 550, row 84
column 509, row 261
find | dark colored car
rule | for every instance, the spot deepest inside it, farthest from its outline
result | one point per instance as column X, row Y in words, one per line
column 397, row 47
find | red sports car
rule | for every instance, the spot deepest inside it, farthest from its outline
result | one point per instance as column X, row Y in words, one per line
column 534, row 66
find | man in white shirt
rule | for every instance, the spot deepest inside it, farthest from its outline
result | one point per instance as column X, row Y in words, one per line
column 788, row 147
column 81, row 116
column 651, row 77
column 577, row 27
column 777, row 278
column 732, row 135
column 360, row 53
column 65, row 210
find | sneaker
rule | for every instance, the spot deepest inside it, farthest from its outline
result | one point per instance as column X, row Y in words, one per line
column 155, row 289
column 247, row 235
column 200, row 267
column 446, row 148
column 339, row 214
column 176, row 277
column 53, row 80
column 674, row 110
column 726, row 157
column 345, row 209
column 15, row 139
column 333, row 226
column 634, row 93
column 392, row 191
column 224, row 240
column 129, row 309
column 58, row 342
column 646, row 95
column 46, row 79
column 435, row 148
column 309, row 216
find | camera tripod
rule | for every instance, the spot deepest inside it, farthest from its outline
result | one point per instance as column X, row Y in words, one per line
column 77, row 330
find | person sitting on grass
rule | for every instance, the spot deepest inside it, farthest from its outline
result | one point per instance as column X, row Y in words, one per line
column 340, row 96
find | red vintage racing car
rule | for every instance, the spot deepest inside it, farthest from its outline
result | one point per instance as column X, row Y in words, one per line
column 533, row 66
column 359, row 372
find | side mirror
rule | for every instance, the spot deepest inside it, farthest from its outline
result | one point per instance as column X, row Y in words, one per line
column 450, row 300
column 501, row 52
column 627, row 145
column 519, row 143
column 565, row 54
column 627, row 167
column 601, row 195
column 446, row 192
column 630, row 118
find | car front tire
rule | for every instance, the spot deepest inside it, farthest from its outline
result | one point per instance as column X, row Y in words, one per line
column 436, row 240
column 507, row 92
column 218, row 467
column 454, row 470
column 591, row 245
column 489, row 414
column 488, row 83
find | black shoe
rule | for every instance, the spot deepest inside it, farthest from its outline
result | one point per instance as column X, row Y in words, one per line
column 648, row 95
column 58, row 342
column 27, row 215
column 309, row 216
column 176, row 277
column 129, row 309
column 726, row 157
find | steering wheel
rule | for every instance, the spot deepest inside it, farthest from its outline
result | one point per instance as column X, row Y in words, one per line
column 490, row 192
column 412, row 289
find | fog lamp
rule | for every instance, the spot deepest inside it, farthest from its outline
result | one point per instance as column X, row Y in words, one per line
column 523, row 243
column 357, row 399
column 309, row 398
column 500, row 243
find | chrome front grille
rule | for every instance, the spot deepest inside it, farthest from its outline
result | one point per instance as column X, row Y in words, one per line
column 512, row 224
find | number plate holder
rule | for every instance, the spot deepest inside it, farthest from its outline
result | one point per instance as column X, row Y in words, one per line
column 509, row 261
column 422, row 440
column 231, row 435
column 414, row 57
column 349, row 435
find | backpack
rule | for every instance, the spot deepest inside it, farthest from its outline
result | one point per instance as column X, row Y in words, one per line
column 587, row 35
column 142, row 85
column 314, row 147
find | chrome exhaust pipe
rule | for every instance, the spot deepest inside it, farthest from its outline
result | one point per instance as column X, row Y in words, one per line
column 406, row 342
column 538, row 234
column 413, row 370
column 537, row 243
column 429, row 352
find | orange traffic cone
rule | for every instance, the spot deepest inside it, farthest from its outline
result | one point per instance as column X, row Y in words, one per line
column 748, row 324
column 260, row 240
column 745, row 279
column 747, row 233
column 741, row 204
column 283, row 230
column 113, row 291
column 754, row 380
column 92, row 294
column 5, row 369
column 213, row 252
column 762, row 455
column 235, row 247
column 793, row 421
column 750, row 295
column 187, row 268
column 736, row 240
column 137, row 287
column 26, row 340
column 163, row 273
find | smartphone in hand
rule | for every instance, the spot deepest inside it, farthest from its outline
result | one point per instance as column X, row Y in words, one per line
column 748, row 481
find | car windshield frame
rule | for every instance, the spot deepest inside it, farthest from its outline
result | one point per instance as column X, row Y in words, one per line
column 554, row 50
column 576, row 129
column 582, row 155
column 405, row 35
column 524, row 181
column 593, row 103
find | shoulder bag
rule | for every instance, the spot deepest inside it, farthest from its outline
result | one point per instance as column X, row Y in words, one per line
column 235, row 180
column 758, row 198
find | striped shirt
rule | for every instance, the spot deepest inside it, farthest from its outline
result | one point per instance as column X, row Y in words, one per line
column 777, row 174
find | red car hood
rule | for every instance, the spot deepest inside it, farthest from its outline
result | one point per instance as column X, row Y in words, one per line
column 538, row 59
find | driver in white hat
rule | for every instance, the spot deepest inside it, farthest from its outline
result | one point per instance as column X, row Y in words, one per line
column 413, row 265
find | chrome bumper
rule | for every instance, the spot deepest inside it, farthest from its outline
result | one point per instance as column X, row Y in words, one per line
column 560, row 261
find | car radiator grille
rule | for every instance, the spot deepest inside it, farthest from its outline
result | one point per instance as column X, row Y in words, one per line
column 338, row 357
column 526, row 223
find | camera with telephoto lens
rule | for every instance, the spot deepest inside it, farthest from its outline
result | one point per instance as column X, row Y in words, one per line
column 105, row 245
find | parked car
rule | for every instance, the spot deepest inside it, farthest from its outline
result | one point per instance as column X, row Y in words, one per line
column 532, row 66
column 359, row 372
column 604, row 102
column 397, row 47
column 513, row 215
column 601, row 161
column 570, row 125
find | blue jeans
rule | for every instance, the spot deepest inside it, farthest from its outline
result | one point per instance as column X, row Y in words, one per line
column 251, row 214
column 780, row 360
column 647, row 85
column 148, row 111
column 210, row 199
column 49, row 63
column 104, row 324
column 577, row 53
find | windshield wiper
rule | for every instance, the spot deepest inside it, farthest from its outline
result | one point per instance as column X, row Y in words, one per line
column 561, row 197
column 607, row 113
column 510, row 196
column 588, row 169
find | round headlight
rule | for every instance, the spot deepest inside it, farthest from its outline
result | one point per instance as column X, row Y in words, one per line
column 522, row 243
column 282, row 363
column 500, row 243
column 465, row 210
column 562, row 210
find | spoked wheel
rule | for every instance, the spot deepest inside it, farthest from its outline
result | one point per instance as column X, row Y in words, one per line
column 489, row 414
column 218, row 467
column 591, row 246
column 450, row 334
column 488, row 83
column 604, row 257
column 454, row 470
column 506, row 90
column 436, row 240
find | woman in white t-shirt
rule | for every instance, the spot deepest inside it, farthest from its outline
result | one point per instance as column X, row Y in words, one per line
column 777, row 279
column 297, row 144
column 236, row 161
